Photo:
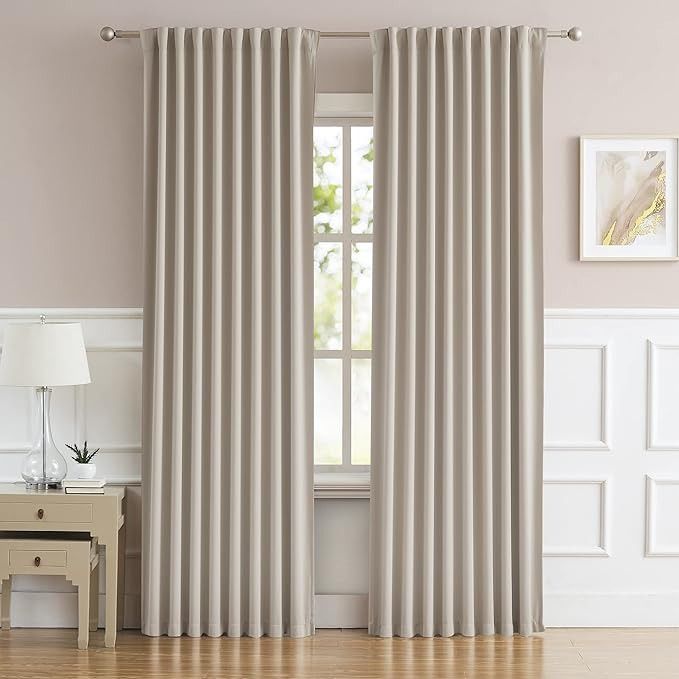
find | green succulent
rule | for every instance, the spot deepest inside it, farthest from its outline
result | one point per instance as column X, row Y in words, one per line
column 83, row 456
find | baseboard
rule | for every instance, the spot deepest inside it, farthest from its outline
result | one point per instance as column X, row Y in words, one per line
column 350, row 611
column 611, row 609
column 600, row 609
column 341, row 611
column 60, row 609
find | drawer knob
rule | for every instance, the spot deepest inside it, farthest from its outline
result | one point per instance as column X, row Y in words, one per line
column 41, row 513
column 36, row 561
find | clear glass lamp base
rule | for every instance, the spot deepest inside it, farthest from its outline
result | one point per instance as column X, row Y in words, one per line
column 44, row 468
column 44, row 486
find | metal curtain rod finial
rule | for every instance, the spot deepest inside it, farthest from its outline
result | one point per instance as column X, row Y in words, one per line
column 574, row 33
column 107, row 34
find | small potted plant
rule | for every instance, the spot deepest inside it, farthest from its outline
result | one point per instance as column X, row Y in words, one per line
column 86, row 468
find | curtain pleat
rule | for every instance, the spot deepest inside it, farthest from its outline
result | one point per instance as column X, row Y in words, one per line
column 456, row 514
column 228, row 464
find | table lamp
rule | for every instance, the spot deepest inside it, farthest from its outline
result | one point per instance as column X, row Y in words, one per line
column 44, row 355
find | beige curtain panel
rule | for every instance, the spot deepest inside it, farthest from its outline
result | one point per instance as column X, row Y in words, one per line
column 228, row 462
column 456, row 509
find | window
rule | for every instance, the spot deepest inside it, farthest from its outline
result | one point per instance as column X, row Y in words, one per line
column 343, row 226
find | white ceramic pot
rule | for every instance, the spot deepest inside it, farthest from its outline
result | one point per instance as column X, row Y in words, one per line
column 87, row 471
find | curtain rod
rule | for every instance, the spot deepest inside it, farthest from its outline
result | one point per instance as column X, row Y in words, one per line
column 107, row 34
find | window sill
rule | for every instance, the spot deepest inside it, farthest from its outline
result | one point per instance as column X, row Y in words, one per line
column 345, row 485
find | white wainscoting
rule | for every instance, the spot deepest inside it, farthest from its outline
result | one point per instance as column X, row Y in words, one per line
column 611, row 470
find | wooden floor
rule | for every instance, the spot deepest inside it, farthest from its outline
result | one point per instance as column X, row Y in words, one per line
column 51, row 654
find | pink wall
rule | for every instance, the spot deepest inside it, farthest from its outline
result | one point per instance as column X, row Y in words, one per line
column 70, row 128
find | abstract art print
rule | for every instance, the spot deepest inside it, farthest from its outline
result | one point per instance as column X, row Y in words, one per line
column 628, row 198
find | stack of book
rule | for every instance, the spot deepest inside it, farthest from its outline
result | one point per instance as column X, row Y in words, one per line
column 84, row 486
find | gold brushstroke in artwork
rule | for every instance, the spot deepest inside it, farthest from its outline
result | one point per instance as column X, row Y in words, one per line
column 644, row 213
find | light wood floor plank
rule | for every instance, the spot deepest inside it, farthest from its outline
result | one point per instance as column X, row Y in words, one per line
column 556, row 654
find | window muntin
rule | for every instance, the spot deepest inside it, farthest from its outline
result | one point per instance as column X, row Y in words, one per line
column 343, row 224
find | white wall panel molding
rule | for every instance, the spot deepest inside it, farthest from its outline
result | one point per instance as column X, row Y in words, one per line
column 17, row 408
column 612, row 314
column 662, row 409
column 113, row 347
column 75, row 314
column 18, row 413
column 660, row 523
column 129, row 390
column 598, row 521
column 571, row 397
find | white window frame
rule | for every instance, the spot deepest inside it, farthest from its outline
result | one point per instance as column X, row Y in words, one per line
column 345, row 480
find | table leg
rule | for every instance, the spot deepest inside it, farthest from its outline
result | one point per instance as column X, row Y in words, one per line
column 84, row 613
column 6, row 602
column 122, row 539
column 111, row 590
column 94, row 599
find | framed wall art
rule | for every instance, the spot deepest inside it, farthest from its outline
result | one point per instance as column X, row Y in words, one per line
column 628, row 198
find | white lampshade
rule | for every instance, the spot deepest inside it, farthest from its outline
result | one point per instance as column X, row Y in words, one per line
column 43, row 355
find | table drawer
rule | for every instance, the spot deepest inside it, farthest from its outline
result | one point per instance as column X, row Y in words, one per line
column 38, row 558
column 47, row 513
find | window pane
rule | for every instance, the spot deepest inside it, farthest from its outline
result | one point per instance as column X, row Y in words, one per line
column 327, row 179
column 361, row 295
column 360, row 411
column 362, row 154
column 328, row 411
column 327, row 295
